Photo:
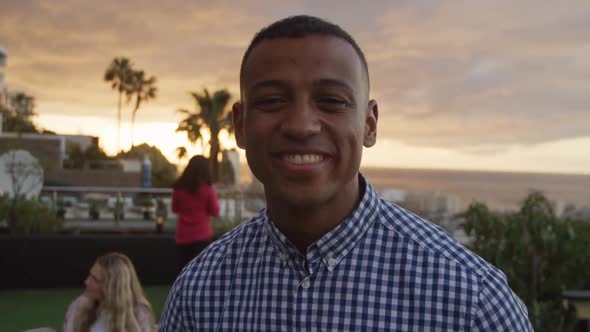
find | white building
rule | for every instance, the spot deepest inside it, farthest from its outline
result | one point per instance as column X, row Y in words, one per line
column 393, row 195
column 433, row 202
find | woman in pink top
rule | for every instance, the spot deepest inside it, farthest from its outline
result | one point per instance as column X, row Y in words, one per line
column 194, row 200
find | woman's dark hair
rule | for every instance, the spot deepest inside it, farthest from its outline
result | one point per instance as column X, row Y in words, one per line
column 196, row 172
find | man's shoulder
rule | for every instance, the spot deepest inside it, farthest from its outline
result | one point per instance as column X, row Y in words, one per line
column 215, row 254
column 430, row 238
column 207, row 274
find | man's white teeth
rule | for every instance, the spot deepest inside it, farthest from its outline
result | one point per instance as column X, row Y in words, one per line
column 299, row 159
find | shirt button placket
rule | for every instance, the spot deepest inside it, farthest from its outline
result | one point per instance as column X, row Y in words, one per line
column 331, row 263
column 305, row 283
column 301, row 313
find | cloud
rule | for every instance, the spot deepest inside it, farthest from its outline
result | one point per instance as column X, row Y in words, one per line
column 472, row 76
column 460, row 74
column 58, row 52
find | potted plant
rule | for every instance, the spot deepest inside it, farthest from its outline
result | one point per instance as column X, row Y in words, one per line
column 93, row 209
column 161, row 214
column 119, row 210
column 148, row 208
column 60, row 209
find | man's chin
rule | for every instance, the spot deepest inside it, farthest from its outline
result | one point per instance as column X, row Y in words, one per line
column 300, row 199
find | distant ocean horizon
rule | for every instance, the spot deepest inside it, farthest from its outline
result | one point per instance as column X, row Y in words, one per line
column 499, row 190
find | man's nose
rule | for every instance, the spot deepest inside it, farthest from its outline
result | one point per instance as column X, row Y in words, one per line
column 301, row 121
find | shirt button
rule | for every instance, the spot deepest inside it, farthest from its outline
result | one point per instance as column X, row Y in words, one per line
column 284, row 257
column 331, row 262
column 305, row 284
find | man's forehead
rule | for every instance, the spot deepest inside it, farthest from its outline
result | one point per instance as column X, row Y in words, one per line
column 279, row 47
column 323, row 51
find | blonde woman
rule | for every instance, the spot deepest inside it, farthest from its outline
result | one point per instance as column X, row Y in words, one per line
column 112, row 301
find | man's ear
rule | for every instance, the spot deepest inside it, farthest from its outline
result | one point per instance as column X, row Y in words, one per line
column 370, row 135
column 238, row 119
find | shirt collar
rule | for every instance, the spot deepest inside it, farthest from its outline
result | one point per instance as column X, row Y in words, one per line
column 333, row 246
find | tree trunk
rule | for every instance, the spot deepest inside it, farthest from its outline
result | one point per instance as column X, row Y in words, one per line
column 213, row 153
column 133, row 125
column 119, row 122
column 133, row 129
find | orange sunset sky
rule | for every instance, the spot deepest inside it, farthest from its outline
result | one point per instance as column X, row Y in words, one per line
column 493, row 85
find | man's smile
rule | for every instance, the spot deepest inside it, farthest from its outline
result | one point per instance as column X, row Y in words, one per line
column 302, row 159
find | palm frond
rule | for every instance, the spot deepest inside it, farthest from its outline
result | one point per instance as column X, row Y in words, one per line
column 228, row 123
column 210, row 113
column 181, row 152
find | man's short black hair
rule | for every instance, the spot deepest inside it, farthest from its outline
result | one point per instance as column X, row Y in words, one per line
column 298, row 27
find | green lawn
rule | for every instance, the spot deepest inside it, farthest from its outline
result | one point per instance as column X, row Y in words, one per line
column 27, row 309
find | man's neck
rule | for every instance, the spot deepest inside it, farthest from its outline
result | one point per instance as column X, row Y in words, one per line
column 304, row 225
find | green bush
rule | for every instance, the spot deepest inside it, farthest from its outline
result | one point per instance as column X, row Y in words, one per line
column 541, row 254
column 30, row 217
column 222, row 225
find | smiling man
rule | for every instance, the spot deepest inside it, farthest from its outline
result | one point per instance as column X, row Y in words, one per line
column 328, row 253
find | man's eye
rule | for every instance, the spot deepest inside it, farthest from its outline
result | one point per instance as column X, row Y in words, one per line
column 269, row 104
column 333, row 104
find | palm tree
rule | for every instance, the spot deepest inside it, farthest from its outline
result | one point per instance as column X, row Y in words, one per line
column 181, row 152
column 119, row 74
column 211, row 114
column 24, row 105
column 143, row 89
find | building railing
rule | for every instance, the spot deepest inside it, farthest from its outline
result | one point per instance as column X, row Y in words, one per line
column 124, row 205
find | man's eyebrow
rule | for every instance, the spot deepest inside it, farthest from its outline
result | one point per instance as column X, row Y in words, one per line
column 268, row 84
column 284, row 85
column 335, row 83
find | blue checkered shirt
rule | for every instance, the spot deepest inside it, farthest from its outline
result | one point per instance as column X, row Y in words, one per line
column 383, row 268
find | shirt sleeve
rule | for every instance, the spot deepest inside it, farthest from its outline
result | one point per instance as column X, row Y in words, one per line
column 499, row 308
column 72, row 311
column 213, row 203
column 172, row 316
